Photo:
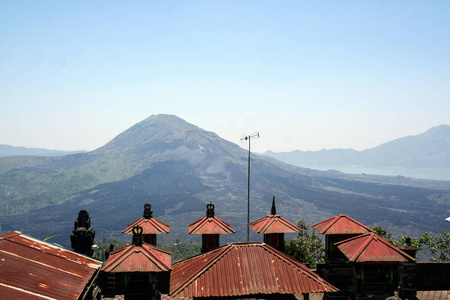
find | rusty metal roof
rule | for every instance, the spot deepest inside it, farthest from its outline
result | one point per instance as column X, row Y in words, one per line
column 370, row 248
column 32, row 269
column 341, row 224
column 273, row 224
column 210, row 225
column 149, row 226
column 144, row 258
column 239, row 269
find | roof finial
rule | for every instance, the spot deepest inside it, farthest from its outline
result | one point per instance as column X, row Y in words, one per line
column 137, row 235
column 148, row 213
column 274, row 210
column 210, row 210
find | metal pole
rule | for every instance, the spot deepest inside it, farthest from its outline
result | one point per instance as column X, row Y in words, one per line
column 248, row 192
column 249, row 137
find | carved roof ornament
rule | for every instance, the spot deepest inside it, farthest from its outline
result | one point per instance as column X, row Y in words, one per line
column 210, row 210
column 137, row 236
column 273, row 211
column 148, row 212
column 83, row 220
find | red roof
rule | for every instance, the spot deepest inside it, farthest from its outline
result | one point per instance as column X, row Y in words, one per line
column 149, row 226
column 369, row 248
column 273, row 224
column 144, row 258
column 210, row 225
column 32, row 269
column 341, row 224
column 239, row 269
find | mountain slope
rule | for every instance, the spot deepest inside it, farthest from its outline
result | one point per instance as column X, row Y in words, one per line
column 178, row 168
column 428, row 150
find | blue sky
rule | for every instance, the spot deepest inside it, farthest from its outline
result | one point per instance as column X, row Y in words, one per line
column 306, row 74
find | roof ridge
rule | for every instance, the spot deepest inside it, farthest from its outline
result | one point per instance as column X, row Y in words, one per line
column 158, row 224
column 295, row 263
column 395, row 248
column 114, row 260
column 160, row 263
column 133, row 249
column 333, row 221
column 200, row 223
column 363, row 247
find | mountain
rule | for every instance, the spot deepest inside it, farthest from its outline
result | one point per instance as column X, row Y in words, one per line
column 427, row 150
column 7, row 150
column 178, row 168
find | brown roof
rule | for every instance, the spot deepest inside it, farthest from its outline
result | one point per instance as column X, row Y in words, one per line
column 133, row 258
column 239, row 269
column 369, row 248
column 341, row 224
column 273, row 224
column 149, row 226
column 32, row 269
column 210, row 225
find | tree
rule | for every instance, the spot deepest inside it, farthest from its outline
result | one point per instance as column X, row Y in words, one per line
column 380, row 231
column 306, row 247
column 438, row 246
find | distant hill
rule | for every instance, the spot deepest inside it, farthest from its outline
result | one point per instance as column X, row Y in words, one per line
column 427, row 150
column 7, row 150
column 178, row 168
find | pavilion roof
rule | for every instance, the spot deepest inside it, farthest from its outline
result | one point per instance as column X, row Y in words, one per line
column 210, row 225
column 341, row 224
column 135, row 258
column 273, row 224
column 149, row 226
column 370, row 248
column 239, row 269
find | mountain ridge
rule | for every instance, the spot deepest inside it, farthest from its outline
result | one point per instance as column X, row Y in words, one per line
column 178, row 168
column 430, row 149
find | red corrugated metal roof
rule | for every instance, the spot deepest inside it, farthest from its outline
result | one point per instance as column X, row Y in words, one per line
column 210, row 225
column 149, row 226
column 369, row 248
column 32, row 269
column 132, row 258
column 239, row 269
column 273, row 224
column 341, row 224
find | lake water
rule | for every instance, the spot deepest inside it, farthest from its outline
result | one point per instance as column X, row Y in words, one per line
column 424, row 173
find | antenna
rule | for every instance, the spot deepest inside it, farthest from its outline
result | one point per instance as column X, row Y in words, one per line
column 248, row 138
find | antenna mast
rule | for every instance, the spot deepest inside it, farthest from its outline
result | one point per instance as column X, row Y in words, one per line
column 249, row 137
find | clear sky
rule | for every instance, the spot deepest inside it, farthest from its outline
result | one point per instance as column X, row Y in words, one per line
column 307, row 75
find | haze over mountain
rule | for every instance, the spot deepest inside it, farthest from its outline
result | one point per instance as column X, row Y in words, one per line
column 178, row 168
column 427, row 150
column 8, row 150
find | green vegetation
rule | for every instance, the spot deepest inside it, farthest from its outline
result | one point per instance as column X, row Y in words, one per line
column 382, row 232
column 441, row 198
column 181, row 249
column 306, row 247
column 439, row 246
